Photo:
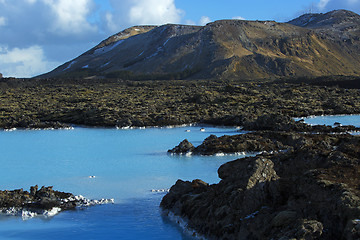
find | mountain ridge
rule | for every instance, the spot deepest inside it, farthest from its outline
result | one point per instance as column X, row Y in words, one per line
column 226, row 49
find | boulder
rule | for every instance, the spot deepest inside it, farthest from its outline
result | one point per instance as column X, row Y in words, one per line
column 284, row 218
column 184, row 147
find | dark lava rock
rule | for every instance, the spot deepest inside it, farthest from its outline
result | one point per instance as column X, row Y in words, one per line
column 278, row 122
column 282, row 133
column 251, row 142
column 275, row 122
column 38, row 201
column 310, row 191
column 184, row 147
column 45, row 198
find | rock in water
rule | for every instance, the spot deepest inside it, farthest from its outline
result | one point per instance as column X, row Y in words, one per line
column 46, row 202
column 183, row 148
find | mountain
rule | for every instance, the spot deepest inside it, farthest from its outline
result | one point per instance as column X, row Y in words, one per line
column 339, row 24
column 311, row 45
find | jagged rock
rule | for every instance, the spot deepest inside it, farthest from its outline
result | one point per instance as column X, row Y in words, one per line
column 274, row 122
column 184, row 147
column 44, row 201
column 33, row 190
column 310, row 191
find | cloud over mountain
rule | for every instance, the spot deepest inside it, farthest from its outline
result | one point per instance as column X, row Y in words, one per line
column 327, row 5
column 70, row 16
column 35, row 26
column 56, row 30
column 143, row 12
column 24, row 62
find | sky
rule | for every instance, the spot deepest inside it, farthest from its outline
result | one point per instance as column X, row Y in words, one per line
column 39, row 35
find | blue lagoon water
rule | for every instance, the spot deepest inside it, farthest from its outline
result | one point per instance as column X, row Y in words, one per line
column 330, row 120
column 127, row 165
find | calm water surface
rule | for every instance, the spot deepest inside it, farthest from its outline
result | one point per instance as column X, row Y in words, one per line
column 127, row 164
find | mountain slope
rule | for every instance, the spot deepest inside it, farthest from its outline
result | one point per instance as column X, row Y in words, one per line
column 340, row 24
column 225, row 49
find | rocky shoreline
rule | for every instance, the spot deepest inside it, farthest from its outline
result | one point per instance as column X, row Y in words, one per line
column 44, row 202
column 271, row 133
column 306, row 188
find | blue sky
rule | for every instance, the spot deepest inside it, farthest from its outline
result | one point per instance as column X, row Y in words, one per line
column 39, row 35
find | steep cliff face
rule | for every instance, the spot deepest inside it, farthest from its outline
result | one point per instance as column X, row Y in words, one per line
column 226, row 49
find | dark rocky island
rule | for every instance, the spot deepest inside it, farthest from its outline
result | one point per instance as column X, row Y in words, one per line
column 42, row 202
column 307, row 188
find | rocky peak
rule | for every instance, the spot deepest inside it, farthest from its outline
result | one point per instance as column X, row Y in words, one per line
column 338, row 24
column 324, row 20
column 129, row 32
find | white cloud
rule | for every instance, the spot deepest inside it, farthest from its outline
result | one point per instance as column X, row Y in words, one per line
column 204, row 20
column 322, row 4
column 30, row 1
column 328, row 5
column 24, row 62
column 142, row 12
column 154, row 12
column 71, row 16
column 2, row 21
column 110, row 24
column 238, row 18
column 41, row 34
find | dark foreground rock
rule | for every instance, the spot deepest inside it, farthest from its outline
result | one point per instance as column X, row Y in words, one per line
column 44, row 201
column 310, row 191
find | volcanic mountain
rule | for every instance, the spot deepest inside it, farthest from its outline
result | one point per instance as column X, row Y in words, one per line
column 311, row 45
